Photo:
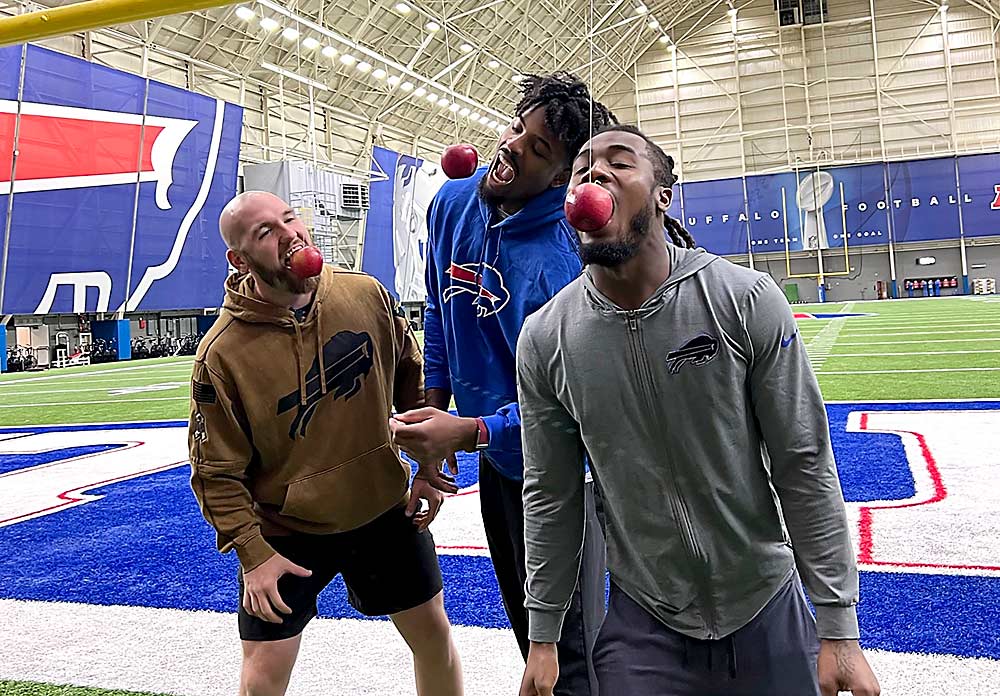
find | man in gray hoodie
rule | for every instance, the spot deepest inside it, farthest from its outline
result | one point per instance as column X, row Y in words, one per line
column 683, row 377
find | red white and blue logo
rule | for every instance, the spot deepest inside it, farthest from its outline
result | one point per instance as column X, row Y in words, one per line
column 116, row 184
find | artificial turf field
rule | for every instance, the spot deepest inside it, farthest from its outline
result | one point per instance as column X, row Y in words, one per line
column 126, row 591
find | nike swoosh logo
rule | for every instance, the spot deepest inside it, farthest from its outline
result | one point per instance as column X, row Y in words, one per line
column 785, row 342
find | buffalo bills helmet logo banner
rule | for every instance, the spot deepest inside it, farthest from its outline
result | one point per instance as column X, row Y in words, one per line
column 115, row 189
column 483, row 282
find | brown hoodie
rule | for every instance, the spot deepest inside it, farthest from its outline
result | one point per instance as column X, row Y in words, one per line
column 289, row 428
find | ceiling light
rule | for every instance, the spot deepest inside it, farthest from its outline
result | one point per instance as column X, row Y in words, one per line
column 348, row 59
column 379, row 74
column 484, row 120
column 406, row 86
column 474, row 116
column 290, row 33
column 244, row 13
column 442, row 102
column 944, row 7
column 330, row 52
column 364, row 67
column 517, row 77
column 420, row 92
column 309, row 43
column 454, row 108
column 464, row 111
column 268, row 24
column 432, row 26
column 402, row 8
column 493, row 64
column 641, row 9
column 465, row 48
column 394, row 80
column 432, row 97
column 664, row 39
column 494, row 124
column 653, row 24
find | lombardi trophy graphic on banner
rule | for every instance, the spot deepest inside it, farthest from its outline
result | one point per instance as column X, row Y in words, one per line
column 414, row 189
column 814, row 192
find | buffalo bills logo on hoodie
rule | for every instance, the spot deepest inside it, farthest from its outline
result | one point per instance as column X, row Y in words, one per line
column 697, row 351
column 483, row 282
column 348, row 357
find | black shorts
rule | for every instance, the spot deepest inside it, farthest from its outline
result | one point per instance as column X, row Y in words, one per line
column 388, row 567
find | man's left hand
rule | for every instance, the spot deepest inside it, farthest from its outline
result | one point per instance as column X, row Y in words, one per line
column 431, row 436
column 423, row 490
column 843, row 667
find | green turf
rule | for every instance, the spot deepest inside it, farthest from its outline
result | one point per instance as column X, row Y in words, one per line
column 947, row 334
column 17, row 688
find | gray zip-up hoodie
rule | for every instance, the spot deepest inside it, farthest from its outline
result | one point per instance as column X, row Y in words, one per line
column 708, row 439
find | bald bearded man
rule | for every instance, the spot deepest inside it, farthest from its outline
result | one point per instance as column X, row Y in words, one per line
column 292, row 460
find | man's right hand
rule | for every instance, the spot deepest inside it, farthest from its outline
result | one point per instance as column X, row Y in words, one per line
column 542, row 670
column 260, row 588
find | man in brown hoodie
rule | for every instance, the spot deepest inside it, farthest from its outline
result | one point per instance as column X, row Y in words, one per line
column 292, row 459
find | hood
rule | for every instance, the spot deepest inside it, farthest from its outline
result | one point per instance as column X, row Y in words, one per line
column 534, row 218
column 242, row 303
column 684, row 263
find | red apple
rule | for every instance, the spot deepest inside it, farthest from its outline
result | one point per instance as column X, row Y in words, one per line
column 306, row 262
column 589, row 207
column 459, row 161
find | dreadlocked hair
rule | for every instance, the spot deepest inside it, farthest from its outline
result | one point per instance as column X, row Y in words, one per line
column 663, row 171
column 568, row 108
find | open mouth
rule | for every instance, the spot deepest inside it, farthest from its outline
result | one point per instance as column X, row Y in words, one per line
column 503, row 171
column 295, row 246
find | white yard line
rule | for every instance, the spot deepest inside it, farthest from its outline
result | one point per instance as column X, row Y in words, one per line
column 819, row 347
column 894, row 372
column 98, row 401
column 903, row 355
column 172, row 385
column 926, row 340
column 853, row 334
column 109, row 371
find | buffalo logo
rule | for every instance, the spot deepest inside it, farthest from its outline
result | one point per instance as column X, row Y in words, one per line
column 996, row 202
column 347, row 360
column 484, row 283
column 698, row 351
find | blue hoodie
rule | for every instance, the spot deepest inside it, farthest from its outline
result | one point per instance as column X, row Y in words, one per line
column 485, row 276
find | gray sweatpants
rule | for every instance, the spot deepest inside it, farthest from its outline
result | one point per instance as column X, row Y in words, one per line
column 773, row 655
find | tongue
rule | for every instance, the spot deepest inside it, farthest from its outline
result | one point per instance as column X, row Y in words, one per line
column 504, row 173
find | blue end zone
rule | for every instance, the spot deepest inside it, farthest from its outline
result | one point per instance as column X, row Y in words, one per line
column 146, row 544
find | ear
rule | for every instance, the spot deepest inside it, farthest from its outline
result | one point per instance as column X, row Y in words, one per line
column 562, row 178
column 237, row 261
column 664, row 196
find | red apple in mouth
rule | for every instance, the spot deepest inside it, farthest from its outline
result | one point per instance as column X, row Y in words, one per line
column 306, row 262
column 589, row 207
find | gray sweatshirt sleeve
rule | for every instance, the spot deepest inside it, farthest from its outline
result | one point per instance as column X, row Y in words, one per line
column 792, row 418
column 553, row 496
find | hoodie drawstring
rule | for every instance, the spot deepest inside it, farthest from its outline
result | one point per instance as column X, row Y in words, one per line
column 319, row 347
column 298, row 363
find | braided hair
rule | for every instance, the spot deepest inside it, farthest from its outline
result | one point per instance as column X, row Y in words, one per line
column 568, row 108
column 663, row 171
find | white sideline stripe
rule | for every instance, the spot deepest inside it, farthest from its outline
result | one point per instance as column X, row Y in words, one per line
column 979, row 400
column 97, row 380
column 98, row 401
column 198, row 654
column 893, row 372
column 111, row 370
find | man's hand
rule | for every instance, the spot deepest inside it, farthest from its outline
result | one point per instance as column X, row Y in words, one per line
column 260, row 588
column 542, row 670
column 843, row 667
column 423, row 490
column 430, row 436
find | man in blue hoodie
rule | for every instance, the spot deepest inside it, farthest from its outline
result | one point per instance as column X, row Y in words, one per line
column 499, row 248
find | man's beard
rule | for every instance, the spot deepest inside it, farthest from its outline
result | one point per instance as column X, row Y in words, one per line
column 283, row 279
column 488, row 197
column 614, row 254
